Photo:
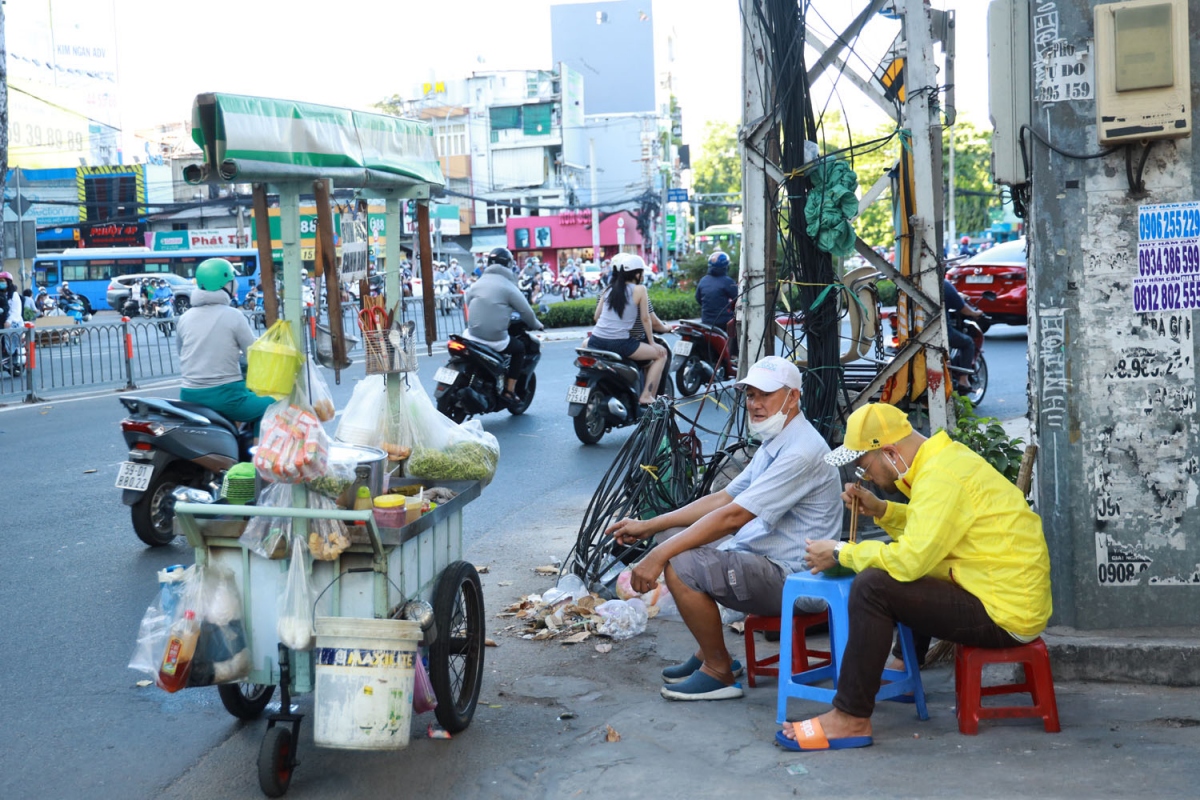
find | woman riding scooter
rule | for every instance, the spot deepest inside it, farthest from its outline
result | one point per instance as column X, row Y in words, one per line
column 623, row 302
column 213, row 335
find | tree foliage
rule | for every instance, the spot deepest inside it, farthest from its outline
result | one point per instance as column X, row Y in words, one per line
column 718, row 168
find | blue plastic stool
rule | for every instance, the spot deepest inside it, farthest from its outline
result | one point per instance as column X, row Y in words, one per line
column 836, row 594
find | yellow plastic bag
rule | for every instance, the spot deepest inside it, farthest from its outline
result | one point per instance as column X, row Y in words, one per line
column 273, row 362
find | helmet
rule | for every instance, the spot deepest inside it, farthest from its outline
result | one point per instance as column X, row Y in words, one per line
column 966, row 240
column 500, row 255
column 213, row 274
column 718, row 259
column 7, row 276
column 66, row 285
column 626, row 263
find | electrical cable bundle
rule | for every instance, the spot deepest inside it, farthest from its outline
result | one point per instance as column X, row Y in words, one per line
column 800, row 262
column 657, row 470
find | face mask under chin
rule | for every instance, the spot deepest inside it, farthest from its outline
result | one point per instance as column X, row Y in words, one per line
column 770, row 427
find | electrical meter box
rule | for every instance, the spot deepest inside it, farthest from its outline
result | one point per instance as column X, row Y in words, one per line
column 1009, row 81
column 1143, row 71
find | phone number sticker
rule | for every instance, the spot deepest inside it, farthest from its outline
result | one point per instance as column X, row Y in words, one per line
column 1168, row 277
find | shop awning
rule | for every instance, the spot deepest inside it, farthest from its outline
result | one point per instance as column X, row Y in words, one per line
column 260, row 139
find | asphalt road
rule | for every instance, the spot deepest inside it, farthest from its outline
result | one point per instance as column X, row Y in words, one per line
column 75, row 581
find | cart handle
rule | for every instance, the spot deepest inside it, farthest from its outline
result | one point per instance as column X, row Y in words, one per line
column 223, row 510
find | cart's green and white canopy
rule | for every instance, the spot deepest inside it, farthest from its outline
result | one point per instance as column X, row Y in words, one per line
column 266, row 140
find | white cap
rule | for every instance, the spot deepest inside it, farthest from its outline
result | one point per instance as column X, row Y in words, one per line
column 771, row 374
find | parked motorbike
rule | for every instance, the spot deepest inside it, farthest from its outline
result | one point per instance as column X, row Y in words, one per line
column 605, row 392
column 172, row 444
column 977, row 375
column 701, row 352
column 473, row 379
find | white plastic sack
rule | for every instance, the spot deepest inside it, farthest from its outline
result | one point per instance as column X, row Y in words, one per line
column 623, row 619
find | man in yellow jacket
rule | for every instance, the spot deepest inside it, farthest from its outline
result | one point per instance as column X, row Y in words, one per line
column 968, row 562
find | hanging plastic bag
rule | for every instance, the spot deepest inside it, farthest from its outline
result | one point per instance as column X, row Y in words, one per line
column 362, row 421
column 423, row 697
column 327, row 538
column 339, row 475
column 267, row 537
column 293, row 446
column 273, row 361
column 222, row 655
column 169, row 604
column 319, row 394
column 443, row 450
column 295, row 627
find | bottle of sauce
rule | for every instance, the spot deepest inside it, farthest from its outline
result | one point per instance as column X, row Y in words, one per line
column 181, row 646
column 362, row 501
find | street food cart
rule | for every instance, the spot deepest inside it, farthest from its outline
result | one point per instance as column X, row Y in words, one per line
column 296, row 148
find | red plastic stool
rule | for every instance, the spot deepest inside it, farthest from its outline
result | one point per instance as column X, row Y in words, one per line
column 800, row 652
column 1039, row 684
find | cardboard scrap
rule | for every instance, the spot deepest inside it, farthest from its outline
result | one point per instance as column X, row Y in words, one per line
column 490, row 643
column 611, row 735
column 548, row 569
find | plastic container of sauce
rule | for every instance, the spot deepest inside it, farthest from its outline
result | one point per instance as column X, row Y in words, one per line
column 390, row 511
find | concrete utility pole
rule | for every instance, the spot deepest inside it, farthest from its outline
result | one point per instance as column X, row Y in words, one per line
column 752, row 290
column 666, row 190
column 595, row 211
column 4, row 124
column 918, row 116
column 951, row 223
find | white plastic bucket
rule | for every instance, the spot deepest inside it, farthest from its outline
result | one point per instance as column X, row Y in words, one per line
column 364, row 682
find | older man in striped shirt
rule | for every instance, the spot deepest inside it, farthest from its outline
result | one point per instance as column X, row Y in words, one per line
column 786, row 493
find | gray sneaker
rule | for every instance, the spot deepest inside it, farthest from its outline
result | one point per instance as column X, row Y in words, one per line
column 702, row 686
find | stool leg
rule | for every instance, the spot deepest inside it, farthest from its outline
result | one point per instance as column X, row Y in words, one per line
column 969, row 696
column 751, row 663
column 909, row 650
column 787, row 668
column 1042, row 687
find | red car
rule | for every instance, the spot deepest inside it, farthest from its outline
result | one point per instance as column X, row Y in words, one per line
column 994, row 282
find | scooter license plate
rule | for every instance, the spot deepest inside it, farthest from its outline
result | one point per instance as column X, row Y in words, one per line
column 446, row 375
column 578, row 394
column 683, row 348
column 134, row 476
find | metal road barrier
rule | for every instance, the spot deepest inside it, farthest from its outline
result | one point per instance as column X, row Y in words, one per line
column 43, row 358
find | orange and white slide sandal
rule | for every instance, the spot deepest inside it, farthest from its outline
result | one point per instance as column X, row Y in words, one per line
column 810, row 737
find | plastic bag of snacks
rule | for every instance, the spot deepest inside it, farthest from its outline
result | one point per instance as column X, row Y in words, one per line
column 293, row 446
column 319, row 394
column 268, row 536
column 339, row 475
column 327, row 538
column 273, row 361
column 295, row 626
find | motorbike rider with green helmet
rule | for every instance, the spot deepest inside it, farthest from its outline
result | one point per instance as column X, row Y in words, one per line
column 213, row 336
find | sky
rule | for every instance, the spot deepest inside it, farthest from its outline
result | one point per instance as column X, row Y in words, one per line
column 355, row 52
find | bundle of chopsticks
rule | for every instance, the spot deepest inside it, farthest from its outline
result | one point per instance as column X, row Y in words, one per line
column 861, row 474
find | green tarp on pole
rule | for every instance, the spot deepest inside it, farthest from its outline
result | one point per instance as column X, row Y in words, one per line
column 260, row 139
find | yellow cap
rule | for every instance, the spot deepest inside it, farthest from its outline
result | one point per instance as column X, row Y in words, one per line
column 870, row 428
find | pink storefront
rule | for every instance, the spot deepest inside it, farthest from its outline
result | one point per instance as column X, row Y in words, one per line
column 569, row 235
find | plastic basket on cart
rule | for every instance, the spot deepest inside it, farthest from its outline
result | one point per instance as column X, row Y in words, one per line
column 238, row 484
column 392, row 350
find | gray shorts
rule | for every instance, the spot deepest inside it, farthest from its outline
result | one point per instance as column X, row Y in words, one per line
column 738, row 580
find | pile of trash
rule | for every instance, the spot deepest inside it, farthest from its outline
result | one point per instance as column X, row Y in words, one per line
column 572, row 614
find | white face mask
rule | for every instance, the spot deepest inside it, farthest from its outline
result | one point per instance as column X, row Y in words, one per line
column 770, row 427
column 902, row 484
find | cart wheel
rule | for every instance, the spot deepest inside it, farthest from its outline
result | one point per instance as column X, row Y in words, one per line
column 275, row 762
column 456, row 655
column 246, row 700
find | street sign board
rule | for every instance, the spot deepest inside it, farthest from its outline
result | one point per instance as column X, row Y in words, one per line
column 677, row 195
